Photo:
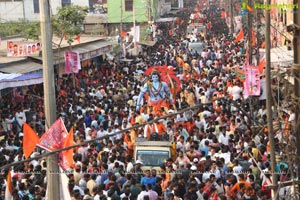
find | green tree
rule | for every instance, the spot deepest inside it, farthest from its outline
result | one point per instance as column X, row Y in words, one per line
column 68, row 22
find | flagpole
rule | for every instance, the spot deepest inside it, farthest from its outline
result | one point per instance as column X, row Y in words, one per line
column 53, row 191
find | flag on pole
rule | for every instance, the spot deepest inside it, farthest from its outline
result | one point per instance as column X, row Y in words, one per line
column 77, row 38
column 253, row 43
column 261, row 65
column 123, row 34
column 239, row 36
column 66, row 156
column 9, row 188
column 30, row 140
column 54, row 138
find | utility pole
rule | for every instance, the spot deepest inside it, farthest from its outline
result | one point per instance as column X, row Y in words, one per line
column 134, row 29
column 269, row 102
column 231, row 17
column 296, row 73
column 49, row 95
column 258, row 24
column 250, row 21
column 121, row 20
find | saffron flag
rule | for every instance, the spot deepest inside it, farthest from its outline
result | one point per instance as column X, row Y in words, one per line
column 9, row 188
column 123, row 34
column 77, row 38
column 66, row 156
column 261, row 65
column 239, row 36
column 253, row 43
column 54, row 137
column 30, row 140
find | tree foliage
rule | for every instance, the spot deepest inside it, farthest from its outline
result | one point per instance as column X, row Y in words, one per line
column 29, row 30
column 68, row 22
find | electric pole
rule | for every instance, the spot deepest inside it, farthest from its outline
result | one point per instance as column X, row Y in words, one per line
column 258, row 24
column 250, row 34
column 269, row 102
column 121, row 20
column 49, row 95
column 296, row 73
column 231, row 17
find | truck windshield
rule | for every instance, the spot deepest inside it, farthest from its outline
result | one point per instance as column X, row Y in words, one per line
column 152, row 157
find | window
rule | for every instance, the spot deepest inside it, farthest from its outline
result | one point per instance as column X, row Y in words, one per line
column 36, row 6
column 65, row 3
column 128, row 5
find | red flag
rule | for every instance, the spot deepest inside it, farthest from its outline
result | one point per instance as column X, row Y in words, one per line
column 239, row 36
column 261, row 65
column 67, row 161
column 30, row 140
column 77, row 38
column 53, row 139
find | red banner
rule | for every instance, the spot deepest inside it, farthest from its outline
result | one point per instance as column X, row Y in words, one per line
column 54, row 138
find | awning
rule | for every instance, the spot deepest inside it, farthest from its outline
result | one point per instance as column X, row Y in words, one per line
column 167, row 19
column 280, row 56
column 86, row 51
column 22, row 67
column 147, row 43
column 17, row 80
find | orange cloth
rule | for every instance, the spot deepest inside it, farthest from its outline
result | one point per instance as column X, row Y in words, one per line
column 239, row 36
column 30, row 140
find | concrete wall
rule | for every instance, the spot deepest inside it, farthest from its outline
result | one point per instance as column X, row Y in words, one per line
column 11, row 11
column 24, row 10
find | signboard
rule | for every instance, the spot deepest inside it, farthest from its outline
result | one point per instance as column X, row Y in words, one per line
column 252, row 83
column 72, row 60
column 21, row 49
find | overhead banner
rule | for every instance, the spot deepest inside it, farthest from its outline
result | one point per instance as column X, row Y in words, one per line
column 72, row 61
column 252, row 83
column 21, row 49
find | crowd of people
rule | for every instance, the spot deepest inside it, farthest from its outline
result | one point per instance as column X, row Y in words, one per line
column 218, row 152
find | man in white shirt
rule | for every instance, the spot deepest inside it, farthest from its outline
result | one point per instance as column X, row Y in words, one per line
column 236, row 92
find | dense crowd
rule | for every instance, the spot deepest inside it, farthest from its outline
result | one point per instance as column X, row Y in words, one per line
column 219, row 154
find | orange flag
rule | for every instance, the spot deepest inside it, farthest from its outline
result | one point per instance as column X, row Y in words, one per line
column 77, row 38
column 253, row 43
column 67, row 155
column 123, row 34
column 261, row 65
column 9, row 188
column 239, row 36
column 30, row 140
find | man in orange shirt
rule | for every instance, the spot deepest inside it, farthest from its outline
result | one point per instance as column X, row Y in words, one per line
column 241, row 187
